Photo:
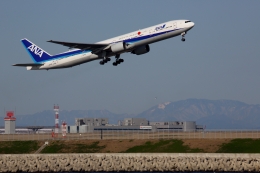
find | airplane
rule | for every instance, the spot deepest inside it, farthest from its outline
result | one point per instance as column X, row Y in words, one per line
column 136, row 42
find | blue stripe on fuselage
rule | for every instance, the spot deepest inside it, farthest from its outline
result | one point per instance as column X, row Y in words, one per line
column 67, row 54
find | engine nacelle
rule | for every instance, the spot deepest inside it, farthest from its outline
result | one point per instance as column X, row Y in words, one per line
column 118, row 47
column 141, row 50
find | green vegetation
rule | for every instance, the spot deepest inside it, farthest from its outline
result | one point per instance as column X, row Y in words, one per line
column 61, row 147
column 163, row 146
column 241, row 146
column 54, row 147
column 18, row 147
column 93, row 148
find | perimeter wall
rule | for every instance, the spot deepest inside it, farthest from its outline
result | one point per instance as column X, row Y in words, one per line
column 129, row 162
column 130, row 134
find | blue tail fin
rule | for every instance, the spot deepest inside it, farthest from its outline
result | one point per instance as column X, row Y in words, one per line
column 37, row 54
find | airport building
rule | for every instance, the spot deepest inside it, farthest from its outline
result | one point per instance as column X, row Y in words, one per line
column 135, row 122
column 84, row 125
column 177, row 125
column 91, row 121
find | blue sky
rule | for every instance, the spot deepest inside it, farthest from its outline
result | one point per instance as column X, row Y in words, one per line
column 219, row 60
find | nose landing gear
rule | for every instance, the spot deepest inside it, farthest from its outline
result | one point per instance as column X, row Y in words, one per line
column 183, row 36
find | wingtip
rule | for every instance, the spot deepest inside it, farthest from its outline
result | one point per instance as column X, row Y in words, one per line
column 15, row 64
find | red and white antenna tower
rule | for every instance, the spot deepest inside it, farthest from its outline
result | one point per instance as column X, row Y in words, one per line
column 56, row 110
column 64, row 128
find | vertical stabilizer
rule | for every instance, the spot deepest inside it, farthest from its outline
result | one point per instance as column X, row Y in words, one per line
column 37, row 54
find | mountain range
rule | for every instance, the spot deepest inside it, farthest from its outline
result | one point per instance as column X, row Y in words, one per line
column 214, row 114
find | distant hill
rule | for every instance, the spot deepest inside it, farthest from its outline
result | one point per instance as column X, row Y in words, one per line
column 214, row 114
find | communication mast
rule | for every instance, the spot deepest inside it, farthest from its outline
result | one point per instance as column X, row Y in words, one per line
column 64, row 129
column 56, row 110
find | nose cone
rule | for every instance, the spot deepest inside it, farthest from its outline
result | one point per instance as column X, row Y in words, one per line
column 191, row 24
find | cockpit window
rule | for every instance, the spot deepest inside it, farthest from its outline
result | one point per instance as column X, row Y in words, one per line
column 187, row 21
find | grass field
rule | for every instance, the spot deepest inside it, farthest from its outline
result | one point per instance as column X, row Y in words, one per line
column 134, row 146
column 163, row 146
column 19, row 147
column 241, row 146
column 160, row 146
column 61, row 147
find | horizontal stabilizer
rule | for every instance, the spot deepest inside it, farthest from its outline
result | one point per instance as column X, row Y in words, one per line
column 28, row 64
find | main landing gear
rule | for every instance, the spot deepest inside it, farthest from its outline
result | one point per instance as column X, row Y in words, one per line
column 118, row 60
column 105, row 60
column 183, row 36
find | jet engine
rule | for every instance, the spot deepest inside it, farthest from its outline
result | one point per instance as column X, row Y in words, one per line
column 141, row 50
column 118, row 47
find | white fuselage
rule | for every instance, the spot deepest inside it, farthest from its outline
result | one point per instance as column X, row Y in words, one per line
column 149, row 35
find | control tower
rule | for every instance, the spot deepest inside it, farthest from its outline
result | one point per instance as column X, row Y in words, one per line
column 10, row 122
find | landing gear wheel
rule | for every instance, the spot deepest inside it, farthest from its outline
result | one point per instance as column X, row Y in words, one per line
column 101, row 63
column 118, row 60
column 183, row 39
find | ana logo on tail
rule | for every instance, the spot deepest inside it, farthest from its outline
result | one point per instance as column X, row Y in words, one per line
column 33, row 48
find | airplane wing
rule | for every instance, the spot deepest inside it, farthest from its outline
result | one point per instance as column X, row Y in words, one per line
column 84, row 46
column 28, row 64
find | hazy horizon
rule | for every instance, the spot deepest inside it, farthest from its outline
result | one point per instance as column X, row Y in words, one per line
column 51, row 108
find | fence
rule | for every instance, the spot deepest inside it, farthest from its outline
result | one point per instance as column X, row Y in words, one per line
column 136, row 134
